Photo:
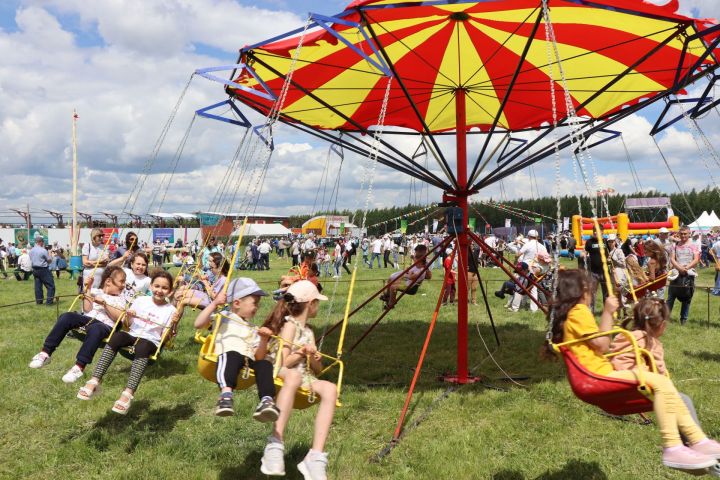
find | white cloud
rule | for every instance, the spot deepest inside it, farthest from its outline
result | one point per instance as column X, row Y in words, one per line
column 125, row 85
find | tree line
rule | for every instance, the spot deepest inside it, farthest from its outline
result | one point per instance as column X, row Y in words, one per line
column 687, row 205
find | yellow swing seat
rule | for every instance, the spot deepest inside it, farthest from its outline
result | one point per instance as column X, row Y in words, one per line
column 207, row 366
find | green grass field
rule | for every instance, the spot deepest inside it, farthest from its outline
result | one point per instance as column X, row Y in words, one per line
column 491, row 430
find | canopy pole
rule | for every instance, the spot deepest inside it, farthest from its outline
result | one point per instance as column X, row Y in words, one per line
column 462, row 377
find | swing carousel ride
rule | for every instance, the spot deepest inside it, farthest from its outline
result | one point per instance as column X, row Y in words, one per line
column 488, row 88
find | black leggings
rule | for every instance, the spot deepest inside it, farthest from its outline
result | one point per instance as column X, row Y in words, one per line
column 231, row 363
column 143, row 350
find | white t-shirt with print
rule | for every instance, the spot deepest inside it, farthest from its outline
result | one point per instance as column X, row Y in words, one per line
column 151, row 319
column 98, row 312
column 135, row 285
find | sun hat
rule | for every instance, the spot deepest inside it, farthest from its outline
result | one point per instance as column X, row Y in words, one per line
column 305, row 291
column 663, row 230
column 532, row 233
column 242, row 287
column 673, row 275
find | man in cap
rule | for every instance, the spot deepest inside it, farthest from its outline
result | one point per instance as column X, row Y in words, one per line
column 40, row 260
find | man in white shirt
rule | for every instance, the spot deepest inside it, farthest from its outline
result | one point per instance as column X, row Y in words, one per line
column 376, row 245
column 387, row 250
column 264, row 250
column 24, row 267
column 309, row 243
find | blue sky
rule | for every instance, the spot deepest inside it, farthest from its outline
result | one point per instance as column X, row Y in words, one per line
column 122, row 65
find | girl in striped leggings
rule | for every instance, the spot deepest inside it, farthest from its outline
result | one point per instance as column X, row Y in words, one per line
column 147, row 320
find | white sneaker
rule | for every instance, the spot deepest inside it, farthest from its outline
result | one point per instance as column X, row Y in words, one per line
column 73, row 375
column 273, row 461
column 39, row 360
column 314, row 465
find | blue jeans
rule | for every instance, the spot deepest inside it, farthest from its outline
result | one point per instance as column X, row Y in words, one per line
column 716, row 290
column 96, row 333
column 372, row 259
column 43, row 277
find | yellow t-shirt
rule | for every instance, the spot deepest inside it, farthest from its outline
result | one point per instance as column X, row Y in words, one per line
column 579, row 323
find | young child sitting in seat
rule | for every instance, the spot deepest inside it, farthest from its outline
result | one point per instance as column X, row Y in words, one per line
column 301, row 362
column 573, row 320
column 649, row 321
column 147, row 319
column 101, row 309
column 413, row 278
column 239, row 344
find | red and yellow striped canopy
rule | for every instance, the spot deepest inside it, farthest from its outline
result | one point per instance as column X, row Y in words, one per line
column 613, row 54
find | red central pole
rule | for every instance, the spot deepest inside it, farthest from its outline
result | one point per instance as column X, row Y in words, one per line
column 463, row 242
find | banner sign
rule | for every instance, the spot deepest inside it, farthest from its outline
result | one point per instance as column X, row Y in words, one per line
column 508, row 223
column 403, row 225
column 112, row 233
column 471, row 223
column 163, row 234
column 208, row 219
column 22, row 239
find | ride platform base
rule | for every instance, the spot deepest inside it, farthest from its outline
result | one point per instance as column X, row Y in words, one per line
column 459, row 380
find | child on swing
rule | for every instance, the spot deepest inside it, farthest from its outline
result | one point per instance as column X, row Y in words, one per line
column 301, row 361
column 237, row 343
column 413, row 278
column 573, row 320
column 147, row 319
column 101, row 309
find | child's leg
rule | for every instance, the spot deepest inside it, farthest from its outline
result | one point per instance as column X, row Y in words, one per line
column 116, row 342
column 263, row 378
column 672, row 414
column 228, row 369
column 96, row 333
column 327, row 392
column 143, row 350
column 292, row 379
column 65, row 323
column 452, row 293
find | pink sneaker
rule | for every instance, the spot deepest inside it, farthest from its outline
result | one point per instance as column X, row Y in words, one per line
column 708, row 447
column 685, row 458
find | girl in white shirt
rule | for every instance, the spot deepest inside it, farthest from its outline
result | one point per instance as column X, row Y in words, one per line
column 137, row 282
column 101, row 309
column 147, row 320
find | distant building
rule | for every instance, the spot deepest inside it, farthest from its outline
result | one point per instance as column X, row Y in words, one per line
column 223, row 224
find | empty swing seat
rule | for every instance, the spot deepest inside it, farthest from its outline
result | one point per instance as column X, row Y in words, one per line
column 613, row 395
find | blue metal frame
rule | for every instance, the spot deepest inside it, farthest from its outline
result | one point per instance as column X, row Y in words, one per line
column 243, row 122
column 521, row 141
column 205, row 72
column 697, row 111
column 613, row 134
column 660, row 126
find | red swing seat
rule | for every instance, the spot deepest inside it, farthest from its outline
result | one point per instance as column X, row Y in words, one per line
column 613, row 395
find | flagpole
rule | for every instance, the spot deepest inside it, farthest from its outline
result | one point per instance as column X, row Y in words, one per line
column 74, row 233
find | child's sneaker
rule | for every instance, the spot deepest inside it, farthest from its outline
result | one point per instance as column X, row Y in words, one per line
column 224, row 407
column 314, row 465
column 708, row 447
column 685, row 458
column 39, row 360
column 73, row 375
column 266, row 411
column 273, row 461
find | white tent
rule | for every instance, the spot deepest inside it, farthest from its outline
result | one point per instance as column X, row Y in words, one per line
column 705, row 222
column 264, row 230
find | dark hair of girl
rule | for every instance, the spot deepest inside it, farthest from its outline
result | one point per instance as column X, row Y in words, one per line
column 110, row 272
column 130, row 245
column 142, row 255
column 648, row 315
column 571, row 288
column 220, row 261
column 285, row 306
column 160, row 273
